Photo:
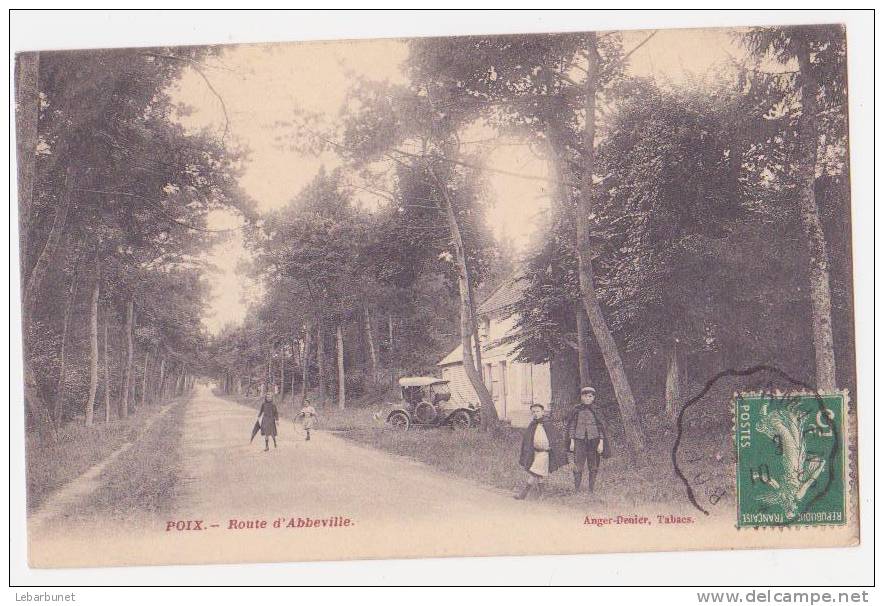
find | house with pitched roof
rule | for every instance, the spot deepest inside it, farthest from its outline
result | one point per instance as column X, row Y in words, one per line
column 514, row 385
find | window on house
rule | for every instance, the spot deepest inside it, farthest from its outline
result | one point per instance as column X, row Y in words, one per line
column 527, row 382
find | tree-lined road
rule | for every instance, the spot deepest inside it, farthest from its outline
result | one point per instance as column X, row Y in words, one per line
column 396, row 508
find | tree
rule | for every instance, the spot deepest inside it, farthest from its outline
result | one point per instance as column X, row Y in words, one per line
column 308, row 252
column 391, row 117
column 526, row 84
column 820, row 86
column 130, row 352
column 117, row 175
column 93, row 358
column 68, row 310
column 27, row 100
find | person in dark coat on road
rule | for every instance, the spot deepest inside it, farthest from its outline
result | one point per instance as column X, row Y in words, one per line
column 585, row 436
column 543, row 451
column 268, row 416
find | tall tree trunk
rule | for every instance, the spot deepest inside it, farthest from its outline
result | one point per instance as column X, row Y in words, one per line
column 161, row 382
column 93, row 350
column 597, row 322
column 564, row 380
column 150, row 388
column 130, row 356
column 27, row 97
column 27, row 116
column 369, row 338
column 269, row 382
column 474, row 319
column 489, row 417
column 818, row 256
column 59, row 386
column 613, row 362
column 36, row 407
column 582, row 346
column 281, row 368
column 305, row 363
column 144, row 378
column 40, row 268
column 107, row 394
column 342, row 376
column 673, row 382
column 392, row 348
column 295, row 361
column 320, row 360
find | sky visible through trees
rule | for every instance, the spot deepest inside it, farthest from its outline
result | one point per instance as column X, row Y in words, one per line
column 315, row 77
column 333, row 214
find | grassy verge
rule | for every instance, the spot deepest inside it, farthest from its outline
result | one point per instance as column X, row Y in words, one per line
column 52, row 465
column 492, row 459
column 145, row 477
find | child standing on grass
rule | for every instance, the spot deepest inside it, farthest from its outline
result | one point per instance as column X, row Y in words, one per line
column 308, row 418
column 542, row 452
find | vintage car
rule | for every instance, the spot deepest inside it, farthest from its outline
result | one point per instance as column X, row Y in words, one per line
column 426, row 401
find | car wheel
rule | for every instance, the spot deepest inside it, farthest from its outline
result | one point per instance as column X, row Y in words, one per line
column 461, row 420
column 399, row 421
column 476, row 419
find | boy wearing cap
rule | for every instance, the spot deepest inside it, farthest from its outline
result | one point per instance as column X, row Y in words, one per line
column 585, row 435
column 542, row 451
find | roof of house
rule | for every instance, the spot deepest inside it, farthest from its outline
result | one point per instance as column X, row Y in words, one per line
column 456, row 356
column 419, row 381
column 509, row 292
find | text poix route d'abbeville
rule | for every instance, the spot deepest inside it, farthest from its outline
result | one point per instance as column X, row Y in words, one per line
column 261, row 524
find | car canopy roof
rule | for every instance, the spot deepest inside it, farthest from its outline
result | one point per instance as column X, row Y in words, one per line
column 420, row 381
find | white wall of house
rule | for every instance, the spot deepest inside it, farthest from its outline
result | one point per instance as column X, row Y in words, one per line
column 514, row 386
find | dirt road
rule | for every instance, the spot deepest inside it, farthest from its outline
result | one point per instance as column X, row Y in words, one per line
column 326, row 499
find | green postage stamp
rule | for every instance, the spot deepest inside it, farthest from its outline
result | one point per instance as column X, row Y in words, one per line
column 791, row 459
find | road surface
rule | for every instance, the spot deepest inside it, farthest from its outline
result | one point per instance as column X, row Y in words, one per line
column 360, row 503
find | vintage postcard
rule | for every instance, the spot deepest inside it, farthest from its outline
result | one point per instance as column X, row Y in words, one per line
column 545, row 293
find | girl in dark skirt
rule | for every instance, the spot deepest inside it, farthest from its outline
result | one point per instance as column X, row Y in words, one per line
column 268, row 416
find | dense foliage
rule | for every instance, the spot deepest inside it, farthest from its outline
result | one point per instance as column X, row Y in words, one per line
column 697, row 225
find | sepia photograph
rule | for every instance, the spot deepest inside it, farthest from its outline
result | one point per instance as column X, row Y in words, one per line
column 473, row 295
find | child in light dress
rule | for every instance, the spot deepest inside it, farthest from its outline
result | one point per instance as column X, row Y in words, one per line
column 308, row 418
